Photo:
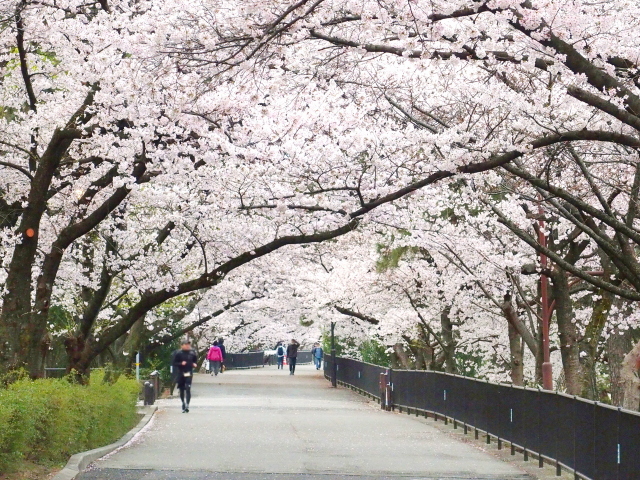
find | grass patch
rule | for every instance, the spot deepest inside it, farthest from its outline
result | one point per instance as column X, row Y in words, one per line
column 45, row 421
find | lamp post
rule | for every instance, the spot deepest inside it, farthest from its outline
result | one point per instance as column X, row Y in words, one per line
column 547, row 370
column 334, row 366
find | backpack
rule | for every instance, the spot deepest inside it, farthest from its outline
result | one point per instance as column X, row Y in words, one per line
column 280, row 351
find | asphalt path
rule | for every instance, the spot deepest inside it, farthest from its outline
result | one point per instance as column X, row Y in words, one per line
column 263, row 424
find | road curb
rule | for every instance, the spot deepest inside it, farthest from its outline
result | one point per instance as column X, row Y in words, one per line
column 80, row 461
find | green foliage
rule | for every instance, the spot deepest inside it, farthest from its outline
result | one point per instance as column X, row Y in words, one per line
column 160, row 365
column 13, row 376
column 345, row 346
column 389, row 258
column 469, row 361
column 370, row 351
column 305, row 322
column 374, row 352
column 160, row 359
column 60, row 319
column 48, row 420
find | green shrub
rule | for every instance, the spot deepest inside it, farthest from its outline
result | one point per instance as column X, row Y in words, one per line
column 48, row 420
column 375, row 352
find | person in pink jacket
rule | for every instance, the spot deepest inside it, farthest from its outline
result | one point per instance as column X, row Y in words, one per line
column 215, row 358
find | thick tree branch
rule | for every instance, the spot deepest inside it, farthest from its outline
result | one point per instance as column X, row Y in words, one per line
column 498, row 160
column 150, row 300
column 69, row 234
column 22, row 54
column 513, row 318
column 169, row 338
column 604, row 106
column 94, row 305
column 358, row 315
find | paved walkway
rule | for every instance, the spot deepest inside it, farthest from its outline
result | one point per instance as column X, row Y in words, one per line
column 266, row 424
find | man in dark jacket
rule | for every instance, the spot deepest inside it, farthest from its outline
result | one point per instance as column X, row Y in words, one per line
column 224, row 353
column 184, row 362
column 292, row 356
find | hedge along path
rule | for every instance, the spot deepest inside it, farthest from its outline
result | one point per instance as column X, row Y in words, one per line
column 48, row 420
column 80, row 461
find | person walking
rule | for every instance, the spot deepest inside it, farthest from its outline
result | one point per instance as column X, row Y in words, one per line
column 280, row 351
column 292, row 356
column 183, row 363
column 317, row 354
column 215, row 358
column 224, row 354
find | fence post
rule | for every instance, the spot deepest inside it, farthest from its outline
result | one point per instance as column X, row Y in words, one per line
column 540, row 459
column 334, row 366
column 155, row 380
column 149, row 397
column 390, row 405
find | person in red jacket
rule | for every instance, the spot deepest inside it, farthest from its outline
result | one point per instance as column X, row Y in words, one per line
column 215, row 358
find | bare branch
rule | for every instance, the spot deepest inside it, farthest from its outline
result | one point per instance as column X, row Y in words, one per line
column 17, row 167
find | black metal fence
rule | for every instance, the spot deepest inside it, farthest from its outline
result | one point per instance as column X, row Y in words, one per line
column 244, row 360
column 360, row 375
column 51, row 372
column 304, row 357
column 593, row 440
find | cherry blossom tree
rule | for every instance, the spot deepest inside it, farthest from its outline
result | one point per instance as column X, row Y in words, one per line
column 150, row 151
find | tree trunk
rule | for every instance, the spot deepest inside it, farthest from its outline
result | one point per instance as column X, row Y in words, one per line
column 133, row 343
column 519, row 327
column 589, row 346
column 569, row 346
column 403, row 358
column 517, row 356
column 618, row 344
column 23, row 325
column 418, row 351
column 428, row 352
column 448, row 340
column 75, row 347
column 629, row 380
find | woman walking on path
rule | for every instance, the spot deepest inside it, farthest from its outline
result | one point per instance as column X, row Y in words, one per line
column 292, row 356
column 215, row 358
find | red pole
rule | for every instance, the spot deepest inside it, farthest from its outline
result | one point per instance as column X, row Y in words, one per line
column 547, row 371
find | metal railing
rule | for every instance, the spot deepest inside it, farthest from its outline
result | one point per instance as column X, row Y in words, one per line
column 54, row 372
column 304, row 357
column 244, row 360
column 593, row 440
column 364, row 377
